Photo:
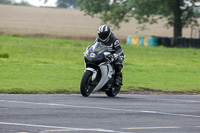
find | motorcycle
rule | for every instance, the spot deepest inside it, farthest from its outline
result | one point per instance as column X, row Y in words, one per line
column 99, row 72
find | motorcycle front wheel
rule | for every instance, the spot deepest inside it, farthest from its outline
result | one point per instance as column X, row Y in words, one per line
column 86, row 84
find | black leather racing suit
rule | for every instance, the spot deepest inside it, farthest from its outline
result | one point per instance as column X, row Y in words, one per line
column 113, row 44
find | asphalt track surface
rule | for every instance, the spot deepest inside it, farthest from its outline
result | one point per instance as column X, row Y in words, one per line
column 99, row 114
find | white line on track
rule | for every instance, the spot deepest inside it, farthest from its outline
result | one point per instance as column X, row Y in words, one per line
column 176, row 100
column 57, row 127
column 101, row 108
column 163, row 113
column 64, row 105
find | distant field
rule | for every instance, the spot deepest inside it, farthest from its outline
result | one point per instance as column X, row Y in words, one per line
column 36, row 65
column 67, row 23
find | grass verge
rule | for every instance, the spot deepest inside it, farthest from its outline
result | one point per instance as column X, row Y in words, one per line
column 44, row 65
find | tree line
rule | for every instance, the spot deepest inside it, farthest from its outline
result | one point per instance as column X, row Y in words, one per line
column 177, row 13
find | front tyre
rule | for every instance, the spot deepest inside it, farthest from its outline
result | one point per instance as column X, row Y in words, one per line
column 86, row 84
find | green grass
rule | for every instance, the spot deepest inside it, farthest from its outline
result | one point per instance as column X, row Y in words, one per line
column 43, row 65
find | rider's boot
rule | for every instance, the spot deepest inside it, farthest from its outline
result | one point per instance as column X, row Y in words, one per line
column 118, row 79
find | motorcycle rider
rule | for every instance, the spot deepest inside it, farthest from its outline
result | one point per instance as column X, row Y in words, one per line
column 106, row 37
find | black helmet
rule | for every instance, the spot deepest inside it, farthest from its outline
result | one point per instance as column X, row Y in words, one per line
column 104, row 32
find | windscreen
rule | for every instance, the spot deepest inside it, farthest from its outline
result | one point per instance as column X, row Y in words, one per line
column 97, row 47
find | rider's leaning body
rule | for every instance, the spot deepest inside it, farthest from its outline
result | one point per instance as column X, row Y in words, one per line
column 106, row 37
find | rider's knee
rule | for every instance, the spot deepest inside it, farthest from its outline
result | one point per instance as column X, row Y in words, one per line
column 118, row 67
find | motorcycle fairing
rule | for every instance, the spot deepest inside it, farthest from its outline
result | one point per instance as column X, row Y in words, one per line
column 106, row 73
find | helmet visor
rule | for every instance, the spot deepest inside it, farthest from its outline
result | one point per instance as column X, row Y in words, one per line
column 104, row 35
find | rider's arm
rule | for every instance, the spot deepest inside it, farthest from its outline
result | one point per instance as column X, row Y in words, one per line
column 118, row 49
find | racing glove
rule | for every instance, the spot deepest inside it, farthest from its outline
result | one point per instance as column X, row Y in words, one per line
column 110, row 57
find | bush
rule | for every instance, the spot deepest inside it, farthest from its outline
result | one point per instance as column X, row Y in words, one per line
column 4, row 55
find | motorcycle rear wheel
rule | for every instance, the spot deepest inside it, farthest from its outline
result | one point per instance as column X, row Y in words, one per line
column 85, row 86
column 114, row 90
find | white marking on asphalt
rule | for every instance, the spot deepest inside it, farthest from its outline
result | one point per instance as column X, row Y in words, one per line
column 100, row 130
column 64, row 105
column 176, row 100
column 63, row 130
column 194, row 101
column 163, row 113
column 101, row 108
column 57, row 127
column 31, row 125
column 134, row 128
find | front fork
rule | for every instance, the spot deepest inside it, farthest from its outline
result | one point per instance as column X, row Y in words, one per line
column 93, row 71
